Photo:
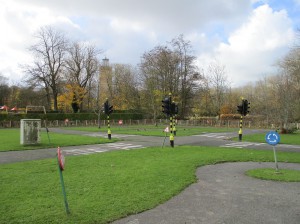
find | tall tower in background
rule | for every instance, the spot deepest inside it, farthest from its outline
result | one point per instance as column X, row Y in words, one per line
column 105, row 80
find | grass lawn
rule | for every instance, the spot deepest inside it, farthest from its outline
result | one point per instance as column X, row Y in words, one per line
column 293, row 139
column 152, row 130
column 10, row 140
column 107, row 186
column 271, row 174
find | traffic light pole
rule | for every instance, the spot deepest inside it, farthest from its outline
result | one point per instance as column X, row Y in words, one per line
column 108, row 128
column 108, row 109
column 241, row 129
column 174, row 126
column 243, row 109
column 170, row 109
column 171, row 132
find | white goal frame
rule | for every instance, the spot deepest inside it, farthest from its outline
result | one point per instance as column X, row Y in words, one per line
column 36, row 108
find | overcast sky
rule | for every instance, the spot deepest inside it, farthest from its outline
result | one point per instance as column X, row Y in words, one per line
column 248, row 37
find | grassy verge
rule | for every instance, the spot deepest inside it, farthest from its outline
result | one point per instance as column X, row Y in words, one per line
column 107, row 186
column 152, row 130
column 10, row 140
column 293, row 139
column 270, row 174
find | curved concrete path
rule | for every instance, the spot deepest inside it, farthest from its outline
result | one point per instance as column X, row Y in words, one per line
column 224, row 194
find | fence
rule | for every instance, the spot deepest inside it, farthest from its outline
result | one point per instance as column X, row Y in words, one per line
column 203, row 122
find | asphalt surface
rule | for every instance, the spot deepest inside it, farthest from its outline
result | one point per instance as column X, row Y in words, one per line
column 223, row 193
column 135, row 141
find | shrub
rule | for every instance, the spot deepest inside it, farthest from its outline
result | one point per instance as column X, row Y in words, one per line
column 290, row 130
column 71, row 116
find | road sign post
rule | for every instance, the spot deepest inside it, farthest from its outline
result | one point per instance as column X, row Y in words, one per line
column 273, row 138
column 166, row 131
column 61, row 167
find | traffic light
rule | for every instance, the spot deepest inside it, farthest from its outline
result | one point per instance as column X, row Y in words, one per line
column 240, row 109
column 243, row 109
column 166, row 106
column 108, row 109
column 174, row 108
column 246, row 107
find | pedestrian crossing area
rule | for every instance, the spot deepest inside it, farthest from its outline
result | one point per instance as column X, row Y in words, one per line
column 101, row 148
column 241, row 144
column 104, row 135
column 213, row 135
column 249, row 144
column 87, row 151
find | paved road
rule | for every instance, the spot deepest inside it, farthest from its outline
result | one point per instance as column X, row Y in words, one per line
column 225, row 195
column 134, row 142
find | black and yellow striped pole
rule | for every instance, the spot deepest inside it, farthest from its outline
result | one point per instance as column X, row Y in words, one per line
column 174, row 126
column 243, row 109
column 171, row 121
column 108, row 128
column 241, row 129
column 171, row 131
column 174, row 112
column 108, row 109
column 169, row 109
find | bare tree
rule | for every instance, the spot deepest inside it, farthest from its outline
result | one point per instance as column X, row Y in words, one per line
column 4, row 90
column 158, row 68
column 75, row 64
column 37, row 76
column 187, row 73
column 92, row 65
column 218, row 85
column 81, row 66
column 159, row 65
column 49, row 58
column 170, row 69
column 125, row 89
column 289, row 86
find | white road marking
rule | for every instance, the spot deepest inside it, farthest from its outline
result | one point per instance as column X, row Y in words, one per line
column 241, row 144
column 104, row 148
column 212, row 135
column 105, row 135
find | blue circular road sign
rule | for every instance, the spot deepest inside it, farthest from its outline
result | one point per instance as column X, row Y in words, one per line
column 272, row 138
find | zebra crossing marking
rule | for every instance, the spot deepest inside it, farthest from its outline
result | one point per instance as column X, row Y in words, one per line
column 104, row 148
column 76, row 152
column 105, row 135
column 241, row 144
column 212, row 135
column 221, row 136
column 123, row 145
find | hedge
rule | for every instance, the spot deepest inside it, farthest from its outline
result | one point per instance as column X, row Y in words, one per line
column 71, row 116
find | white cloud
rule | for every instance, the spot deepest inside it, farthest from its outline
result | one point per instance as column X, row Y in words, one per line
column 126, row 29
column 18, row 23
column 171, row 16
column 253, row 49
